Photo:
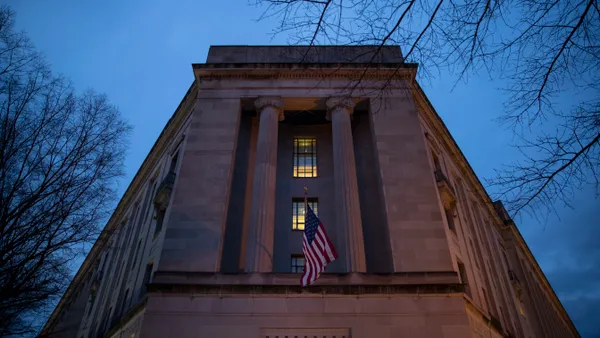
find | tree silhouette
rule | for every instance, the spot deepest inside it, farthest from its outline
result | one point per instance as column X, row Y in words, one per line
column 60, row 156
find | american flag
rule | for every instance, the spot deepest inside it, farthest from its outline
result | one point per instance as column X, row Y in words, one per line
column 318, row 250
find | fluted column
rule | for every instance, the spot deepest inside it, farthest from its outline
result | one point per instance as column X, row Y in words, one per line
column 346, row 187
column 259, row 248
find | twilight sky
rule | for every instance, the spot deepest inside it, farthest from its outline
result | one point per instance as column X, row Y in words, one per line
column 140, row 54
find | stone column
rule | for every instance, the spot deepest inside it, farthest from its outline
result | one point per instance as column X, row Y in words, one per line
column 259, row 246
column 346, row 186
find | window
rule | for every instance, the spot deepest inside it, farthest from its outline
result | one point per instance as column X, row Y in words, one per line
column 305, row 157
column 450, row 219
column 137, row 252
column 173, row 164
column 160, row 218
column 298, row 212
column 297, row 263
column 148, row 273
column 436, row 161
column 463, row 278
column 475, row 254
column 124, row 302
column 147, row 277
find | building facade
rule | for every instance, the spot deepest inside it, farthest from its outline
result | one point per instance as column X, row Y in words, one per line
column 207, row 239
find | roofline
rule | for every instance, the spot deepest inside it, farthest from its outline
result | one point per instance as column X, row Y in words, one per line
column 113, row 220
column 307, row 65
column 315, row 46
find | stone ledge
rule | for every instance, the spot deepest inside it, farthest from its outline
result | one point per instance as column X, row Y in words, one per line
column 293, row 279
column 319, row 289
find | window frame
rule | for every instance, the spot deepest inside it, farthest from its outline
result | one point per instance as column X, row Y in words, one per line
column 297, row 156
column 450, row 220
column 296, row 203
column 295, row 268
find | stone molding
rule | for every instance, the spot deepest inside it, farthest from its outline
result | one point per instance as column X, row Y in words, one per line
column 274, row 72
column 324, row 332
column 331, row 279
column 222, row 289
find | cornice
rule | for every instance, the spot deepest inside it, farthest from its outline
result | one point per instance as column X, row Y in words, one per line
column 386, row 289
column 142, row 175
column 399, row 72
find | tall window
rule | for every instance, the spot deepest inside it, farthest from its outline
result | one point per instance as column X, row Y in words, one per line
column 436, row 161
column 305, row 157
column 450, row 219
column 463, row 278
column 160, row 218
column 297, row 263
column 298, row 211
column 173, row 164
column 147, row 278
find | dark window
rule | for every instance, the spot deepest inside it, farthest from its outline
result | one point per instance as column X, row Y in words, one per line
column 149, row 193
column 147, row 277
column 297, row 263
column 174, row 159
column 134, row 219
column 137, row 251
column 474, row 254
column 463, row 278
column 148, row 273
column 450, row 219
column 305, row 157
column 160, row 217
column 298, row 211
column 436, row 161
column 124, row 302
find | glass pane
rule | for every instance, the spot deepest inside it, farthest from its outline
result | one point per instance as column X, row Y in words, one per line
column 305, row 157
column 298, row 213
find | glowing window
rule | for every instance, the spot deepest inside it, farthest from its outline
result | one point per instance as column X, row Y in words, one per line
column 298, row 212
column 305, row 157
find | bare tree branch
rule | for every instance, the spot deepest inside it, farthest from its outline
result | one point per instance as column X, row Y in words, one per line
column 61, row 155
column 547, row 53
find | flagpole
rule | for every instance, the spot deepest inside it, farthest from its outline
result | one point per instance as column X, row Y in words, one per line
column 305, row 203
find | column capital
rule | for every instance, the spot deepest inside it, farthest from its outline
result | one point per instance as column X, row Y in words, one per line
column 339, row 102
column 273, row 102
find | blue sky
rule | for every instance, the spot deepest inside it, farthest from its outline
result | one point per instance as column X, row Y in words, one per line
column 140, row 54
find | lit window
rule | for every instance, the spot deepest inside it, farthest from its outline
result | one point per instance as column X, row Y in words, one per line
column 305, row 157
column 297, row 263
column 298, row 211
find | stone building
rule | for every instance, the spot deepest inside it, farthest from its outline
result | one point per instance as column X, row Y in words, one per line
column 207, row 239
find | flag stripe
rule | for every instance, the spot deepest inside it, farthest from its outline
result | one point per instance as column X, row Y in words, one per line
column 318, row 249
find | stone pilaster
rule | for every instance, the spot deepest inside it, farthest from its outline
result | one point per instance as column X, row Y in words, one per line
column 259, row 248
column 346, row 187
